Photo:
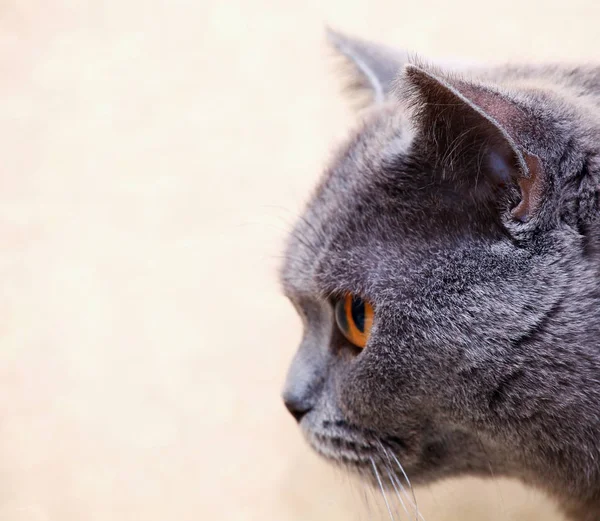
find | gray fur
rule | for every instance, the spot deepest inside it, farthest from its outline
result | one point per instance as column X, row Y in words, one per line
column 372, row 67
column 484, row 356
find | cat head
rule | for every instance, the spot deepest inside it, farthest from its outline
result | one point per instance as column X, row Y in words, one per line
column 460, row 215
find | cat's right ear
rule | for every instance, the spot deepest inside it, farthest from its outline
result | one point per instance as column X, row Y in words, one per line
column 371, row 67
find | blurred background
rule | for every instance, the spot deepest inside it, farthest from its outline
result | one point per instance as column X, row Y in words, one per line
column 153, row 156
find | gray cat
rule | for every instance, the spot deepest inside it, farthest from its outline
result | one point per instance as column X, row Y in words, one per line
column 447, row 273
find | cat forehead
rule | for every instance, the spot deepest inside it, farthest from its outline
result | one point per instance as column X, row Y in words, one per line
column 384, row 134
column 349, row 194
column 362, row 166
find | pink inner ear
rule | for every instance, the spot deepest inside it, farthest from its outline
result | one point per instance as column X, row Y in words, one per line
column 505, row 113
column 508, row 117
column 531, row 188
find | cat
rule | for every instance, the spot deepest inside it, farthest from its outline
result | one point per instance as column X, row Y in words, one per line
column 446, row 270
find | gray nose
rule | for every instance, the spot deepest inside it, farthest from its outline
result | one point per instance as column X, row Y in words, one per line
column 297, row 407
column 305, row 378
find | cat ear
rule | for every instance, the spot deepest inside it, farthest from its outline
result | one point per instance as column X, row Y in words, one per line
column 475, row 128
column 371, row 67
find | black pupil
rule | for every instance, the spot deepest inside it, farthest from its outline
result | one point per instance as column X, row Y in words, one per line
column 358, row 313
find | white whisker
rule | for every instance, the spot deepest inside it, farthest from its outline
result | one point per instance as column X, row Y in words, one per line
column 398, row 495
column 412, row 491
column 381, row 488
column 397, row 483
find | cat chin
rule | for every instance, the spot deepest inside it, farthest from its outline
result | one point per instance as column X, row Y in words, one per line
column 373, row 464
column 374, row 459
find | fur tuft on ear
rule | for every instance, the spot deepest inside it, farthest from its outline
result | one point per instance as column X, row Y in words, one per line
column 371, row 68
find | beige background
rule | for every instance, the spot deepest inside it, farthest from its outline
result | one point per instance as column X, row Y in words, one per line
column 153, row 155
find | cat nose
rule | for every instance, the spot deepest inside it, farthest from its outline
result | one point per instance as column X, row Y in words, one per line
column 297, row 407
column 304, row 381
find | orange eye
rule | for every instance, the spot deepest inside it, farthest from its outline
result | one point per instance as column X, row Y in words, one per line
column 354, row 317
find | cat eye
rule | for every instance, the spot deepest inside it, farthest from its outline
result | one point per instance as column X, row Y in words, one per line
column 354, row 318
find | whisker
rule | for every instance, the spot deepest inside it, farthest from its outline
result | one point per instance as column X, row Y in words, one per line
column 302, row 239
column 412, row 491
column 265, row 224
column 290, row 229
column 319, row 233
column 396, row 482
column 381, row 488
column 398, row 495
column 297, row 217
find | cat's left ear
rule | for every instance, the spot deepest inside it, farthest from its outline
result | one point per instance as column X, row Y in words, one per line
column 475, row 132
column 371, row 67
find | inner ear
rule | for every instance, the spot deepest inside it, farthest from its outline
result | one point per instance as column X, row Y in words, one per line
column 472, row 131
column 531, row 188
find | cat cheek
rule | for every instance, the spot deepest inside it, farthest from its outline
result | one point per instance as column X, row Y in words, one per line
column 356, row 395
